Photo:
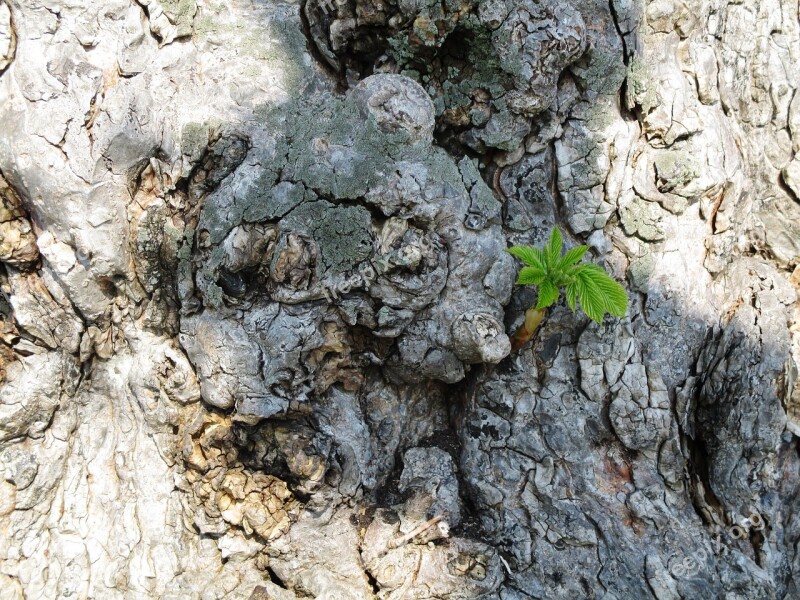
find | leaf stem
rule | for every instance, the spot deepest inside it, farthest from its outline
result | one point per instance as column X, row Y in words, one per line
column 533, row 318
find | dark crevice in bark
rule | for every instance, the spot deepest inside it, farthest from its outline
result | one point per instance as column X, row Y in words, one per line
column 784, row 187
column 627, row 55
column 149, row 29
column 558, row 199
column 697, row 465
column 313, row 49
column 376, row 588
column 615, row 19
column 388, row 494
column 274, row 578
column 13, row 41
column 464, row 400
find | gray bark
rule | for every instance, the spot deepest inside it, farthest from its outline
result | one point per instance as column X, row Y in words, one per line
column 255, row 305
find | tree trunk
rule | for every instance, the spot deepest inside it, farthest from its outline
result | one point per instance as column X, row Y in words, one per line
column 256, row 305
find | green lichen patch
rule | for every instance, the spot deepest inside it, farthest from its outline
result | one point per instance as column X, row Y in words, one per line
column 483, row 201
column 640, row 90
column 343, row 234
column 642, row 219
column 194, row 140
column 340, row 152
column 640, row 271
column 602, row 71
column 213, row 296
column 675, row 171
column 179, row 11
column 268, row 202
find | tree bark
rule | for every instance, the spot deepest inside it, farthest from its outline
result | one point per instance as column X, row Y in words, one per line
column 256, row 308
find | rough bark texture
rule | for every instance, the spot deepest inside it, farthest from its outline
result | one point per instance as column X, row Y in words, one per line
column 255, row 304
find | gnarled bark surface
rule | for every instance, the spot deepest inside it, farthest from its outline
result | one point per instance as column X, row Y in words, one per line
column 255, row 306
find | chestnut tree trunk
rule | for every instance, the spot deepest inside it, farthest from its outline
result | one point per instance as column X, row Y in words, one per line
column 255, row 308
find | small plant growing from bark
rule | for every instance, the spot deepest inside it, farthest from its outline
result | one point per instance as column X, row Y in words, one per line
column 551, row 271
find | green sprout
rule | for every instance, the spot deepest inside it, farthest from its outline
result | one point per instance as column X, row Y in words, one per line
column 551, row 271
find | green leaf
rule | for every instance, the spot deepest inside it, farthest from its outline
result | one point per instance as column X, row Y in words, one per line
column 554, row 249
column 533, row 257
column 588, row 284
column 599, row 294
column 548, row 294
column 614, row 296
column 571, row 257
column 591, row 299
column 572, row 295
column 531, row 276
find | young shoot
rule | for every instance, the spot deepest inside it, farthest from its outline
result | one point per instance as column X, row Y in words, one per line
column 584, row 284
